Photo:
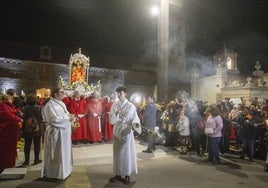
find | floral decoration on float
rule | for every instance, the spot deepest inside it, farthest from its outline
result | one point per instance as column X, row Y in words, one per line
column 84, row 88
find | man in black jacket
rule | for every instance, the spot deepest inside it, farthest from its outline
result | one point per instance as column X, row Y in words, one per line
column 149, row 122
column 249, row 129
column 32, row 129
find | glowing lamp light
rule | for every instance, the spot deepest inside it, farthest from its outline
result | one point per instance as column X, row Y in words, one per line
column 22, row 93
column 154, row 10
column 8, row 85
column 135, row 98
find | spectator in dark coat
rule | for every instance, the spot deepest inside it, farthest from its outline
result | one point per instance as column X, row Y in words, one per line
column 32, row 128
column 248, row 135
column 149, row 122
column 197, row 126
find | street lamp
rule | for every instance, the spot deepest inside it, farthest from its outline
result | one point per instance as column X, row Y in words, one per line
column 163, row 48
column 154, row 10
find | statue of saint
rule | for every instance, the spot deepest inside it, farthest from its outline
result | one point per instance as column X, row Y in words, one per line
column 78, row 72
column 258, row 66
column 258, row 72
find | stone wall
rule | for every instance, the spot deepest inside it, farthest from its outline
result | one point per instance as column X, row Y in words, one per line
column 32, row 75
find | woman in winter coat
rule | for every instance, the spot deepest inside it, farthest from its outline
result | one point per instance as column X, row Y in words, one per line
column 10, row 123
column 214, row 121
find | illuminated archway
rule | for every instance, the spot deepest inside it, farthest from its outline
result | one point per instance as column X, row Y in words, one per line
column 43, row 93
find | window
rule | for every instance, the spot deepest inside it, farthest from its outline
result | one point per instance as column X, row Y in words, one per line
column 229, row 63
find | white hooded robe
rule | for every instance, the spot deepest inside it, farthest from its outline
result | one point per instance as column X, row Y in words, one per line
column 124, row 152
column 58, row 159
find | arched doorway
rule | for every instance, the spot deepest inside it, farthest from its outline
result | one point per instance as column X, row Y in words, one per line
column 43, row 93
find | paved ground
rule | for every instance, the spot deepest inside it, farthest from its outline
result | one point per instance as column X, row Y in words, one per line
column 163, row 168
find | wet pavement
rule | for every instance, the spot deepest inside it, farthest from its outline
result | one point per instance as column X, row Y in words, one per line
column 163, row 168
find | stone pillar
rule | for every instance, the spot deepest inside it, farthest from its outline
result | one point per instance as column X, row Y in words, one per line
column 194, row 82
column 221, row 76
column 163, row 52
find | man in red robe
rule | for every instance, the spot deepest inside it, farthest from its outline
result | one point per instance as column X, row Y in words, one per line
column 94, row 111
column 77, row 106
column 66, row 101
column 108, row 128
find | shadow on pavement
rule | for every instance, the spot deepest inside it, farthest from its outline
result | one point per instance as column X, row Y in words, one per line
column 118, row 184
column 42, row 183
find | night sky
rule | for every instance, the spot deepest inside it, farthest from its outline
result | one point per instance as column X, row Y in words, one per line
column 125, row 27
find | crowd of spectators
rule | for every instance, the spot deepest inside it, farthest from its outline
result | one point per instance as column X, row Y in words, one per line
column 181, row 124
column 242, row 131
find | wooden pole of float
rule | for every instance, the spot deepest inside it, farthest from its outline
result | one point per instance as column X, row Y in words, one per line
column 87, row 67
column 70, row 68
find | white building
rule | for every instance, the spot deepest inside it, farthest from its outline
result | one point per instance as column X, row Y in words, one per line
column 228, row 84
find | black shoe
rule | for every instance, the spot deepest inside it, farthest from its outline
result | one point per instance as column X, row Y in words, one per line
column 208, row 160
column 127, row 180
column 251, row 160
column 199, row 155
column 84, row 142
column 265, row 168
column 147, row 151
column 75, row 142
column 25, row 163
column 115, row 179
column 216, row 162
column 37, row 162
column 183, row 152
column 242, row 157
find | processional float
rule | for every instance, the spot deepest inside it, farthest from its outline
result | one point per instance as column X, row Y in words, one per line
column 78, row 76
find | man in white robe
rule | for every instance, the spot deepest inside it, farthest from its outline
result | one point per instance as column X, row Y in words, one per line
column 58, row 159
column 124, row 117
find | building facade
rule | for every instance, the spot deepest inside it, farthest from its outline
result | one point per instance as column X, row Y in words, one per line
column 228, row 84
column 39, row 77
